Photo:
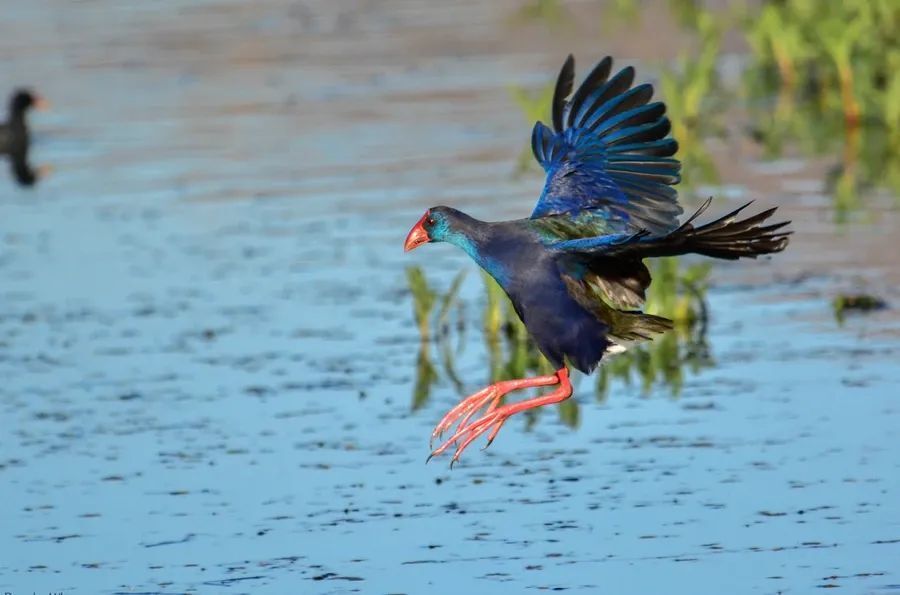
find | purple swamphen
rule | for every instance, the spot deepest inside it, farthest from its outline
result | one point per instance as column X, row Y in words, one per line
column 574, row 270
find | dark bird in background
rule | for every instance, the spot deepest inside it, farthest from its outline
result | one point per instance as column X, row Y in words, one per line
column 15, row 139
column 574, row 270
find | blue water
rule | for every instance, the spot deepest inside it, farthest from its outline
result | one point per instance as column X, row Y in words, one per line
column 207, row 347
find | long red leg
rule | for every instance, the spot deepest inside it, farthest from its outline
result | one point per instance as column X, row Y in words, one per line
column 491, row 394
column 497, row 416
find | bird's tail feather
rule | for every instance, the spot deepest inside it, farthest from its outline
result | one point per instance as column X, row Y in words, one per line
column 634, row 327
column 726, row 237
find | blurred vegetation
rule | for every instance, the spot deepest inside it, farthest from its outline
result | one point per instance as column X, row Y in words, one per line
column 677, row 292
column 843, row 305
column 824, row 80
column 694, row 102
column 821, row 79
column 535, row 105
column 550, row 12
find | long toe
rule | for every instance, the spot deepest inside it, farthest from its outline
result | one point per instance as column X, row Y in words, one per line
column 455, row 413
column 494, row 416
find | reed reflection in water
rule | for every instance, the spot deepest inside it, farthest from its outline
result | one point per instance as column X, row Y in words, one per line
column 678, row 292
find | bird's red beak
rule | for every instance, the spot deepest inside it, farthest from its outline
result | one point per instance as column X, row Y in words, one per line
column 41, row 104
column 417, row 235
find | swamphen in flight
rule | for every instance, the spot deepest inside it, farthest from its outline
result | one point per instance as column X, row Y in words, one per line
column 574, row 270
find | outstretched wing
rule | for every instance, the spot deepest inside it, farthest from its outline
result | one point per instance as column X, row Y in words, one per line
column 608, row 156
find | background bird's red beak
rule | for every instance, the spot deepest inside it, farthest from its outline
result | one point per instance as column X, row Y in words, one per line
column 41, row 104
column 417, row 235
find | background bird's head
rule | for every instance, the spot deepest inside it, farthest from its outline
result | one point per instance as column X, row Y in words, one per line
column 438, row 224
column 23, row 100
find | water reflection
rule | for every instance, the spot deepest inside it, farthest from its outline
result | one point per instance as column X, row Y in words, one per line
column 15, row 137
column 22, row 171
column 678, row 292
column 428, row 321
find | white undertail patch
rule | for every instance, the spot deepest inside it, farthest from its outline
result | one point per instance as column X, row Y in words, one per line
column 615, row 349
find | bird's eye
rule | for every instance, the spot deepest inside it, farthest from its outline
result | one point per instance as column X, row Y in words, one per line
column 430, row 221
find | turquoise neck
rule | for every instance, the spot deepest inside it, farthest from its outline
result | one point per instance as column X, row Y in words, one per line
column 468, row 245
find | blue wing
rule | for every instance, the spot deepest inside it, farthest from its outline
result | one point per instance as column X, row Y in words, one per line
column 609, row 153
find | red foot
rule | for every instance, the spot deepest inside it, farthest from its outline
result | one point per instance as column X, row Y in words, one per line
column 471, row 404
column 496, row 416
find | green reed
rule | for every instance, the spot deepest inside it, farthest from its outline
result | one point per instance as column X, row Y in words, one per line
column 843, row 53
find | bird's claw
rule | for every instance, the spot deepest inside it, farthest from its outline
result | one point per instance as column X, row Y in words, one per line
column 495, row 415
column 469, row 433
column 464, row 411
